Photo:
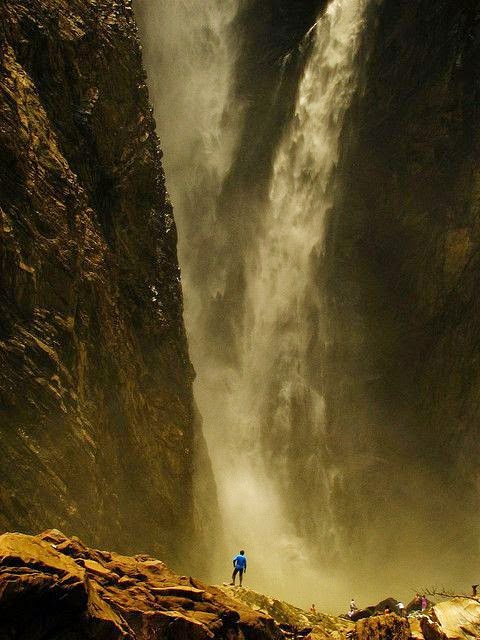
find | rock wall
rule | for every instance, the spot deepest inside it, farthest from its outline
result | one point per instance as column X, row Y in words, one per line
column 97, row 424
column 402, row 274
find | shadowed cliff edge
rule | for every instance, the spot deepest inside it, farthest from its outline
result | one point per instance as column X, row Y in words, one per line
column 98, row 429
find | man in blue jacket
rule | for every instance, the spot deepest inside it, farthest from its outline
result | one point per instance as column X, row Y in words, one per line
column 239, row 566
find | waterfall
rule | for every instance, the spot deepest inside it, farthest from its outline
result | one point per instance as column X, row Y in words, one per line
column 273, row 405
column 263, row 415
column 190, row 62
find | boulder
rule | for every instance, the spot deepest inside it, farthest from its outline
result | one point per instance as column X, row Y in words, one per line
column 52, row 586
column 431, row 630
column 382, row 627
column 361, row 614
column 40, row 589
column 414, row 605
column 459, row 617
column 387, row 603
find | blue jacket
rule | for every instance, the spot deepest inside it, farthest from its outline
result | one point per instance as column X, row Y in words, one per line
column 240, row 562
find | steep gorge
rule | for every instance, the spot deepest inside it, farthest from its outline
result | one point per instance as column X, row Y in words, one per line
column 322, row 158
column 331, row 305
column 98, row 428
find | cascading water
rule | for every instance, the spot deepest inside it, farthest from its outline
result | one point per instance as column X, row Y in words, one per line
column 274, row 404
column 190, row 61
column 263, row 415
column 285, row 304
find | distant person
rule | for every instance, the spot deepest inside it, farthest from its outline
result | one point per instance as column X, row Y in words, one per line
column 353, row 608
column 401, row 608
column 313, row 611
column 239, row 566
column 424, row 603
column 474, row 590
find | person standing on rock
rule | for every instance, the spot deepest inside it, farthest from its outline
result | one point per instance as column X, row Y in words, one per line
column 353, row 608
column 239, row 566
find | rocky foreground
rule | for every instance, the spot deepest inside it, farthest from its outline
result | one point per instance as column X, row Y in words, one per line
column 55, row 588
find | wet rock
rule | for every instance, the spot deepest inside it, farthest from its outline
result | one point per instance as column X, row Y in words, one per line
column 402, row 234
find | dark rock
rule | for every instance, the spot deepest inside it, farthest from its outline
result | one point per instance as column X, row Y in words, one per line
column 432, row 630
column 44, row 592
column 414, row 605
column 402, row 277
column 361, row 614
column 388, row 603
column 382, row 627
column 93, row 354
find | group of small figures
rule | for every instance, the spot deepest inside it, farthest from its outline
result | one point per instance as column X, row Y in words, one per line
column 419, row 603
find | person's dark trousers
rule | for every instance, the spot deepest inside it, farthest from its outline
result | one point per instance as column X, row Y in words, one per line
column 240, row 573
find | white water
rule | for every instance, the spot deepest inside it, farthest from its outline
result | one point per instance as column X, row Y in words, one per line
column 258, row 402
column 275, row 345
column 190, row 64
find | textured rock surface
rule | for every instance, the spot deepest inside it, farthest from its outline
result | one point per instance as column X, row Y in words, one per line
column 52, row 586
column 458, row 617
column 292, row 620
column 55, row 587
column 403, row 370
column 97, row 426
column 386, row 627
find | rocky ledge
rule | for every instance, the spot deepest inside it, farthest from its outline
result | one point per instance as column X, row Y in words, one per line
column 55, row 588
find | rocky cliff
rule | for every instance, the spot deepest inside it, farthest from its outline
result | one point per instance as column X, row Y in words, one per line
column 98, row 432
column 65, row 590
column 53, row 587
column 402, row 277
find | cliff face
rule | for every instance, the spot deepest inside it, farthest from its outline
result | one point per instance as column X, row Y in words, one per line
column 402, row 278
column 97, row 424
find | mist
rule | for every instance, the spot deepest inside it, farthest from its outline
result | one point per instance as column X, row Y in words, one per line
column 258, row 109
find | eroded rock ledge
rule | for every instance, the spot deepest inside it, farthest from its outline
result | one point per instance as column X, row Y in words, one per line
column 55, row 587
